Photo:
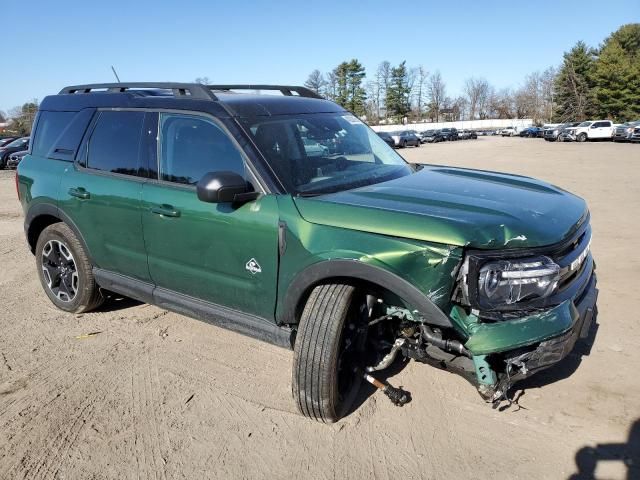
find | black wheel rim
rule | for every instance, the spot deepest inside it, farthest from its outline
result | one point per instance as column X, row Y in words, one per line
column 60, row 271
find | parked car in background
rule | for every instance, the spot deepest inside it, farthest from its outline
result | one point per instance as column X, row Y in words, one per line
column 387, row 138
column 463, row 135
column 530, row 132
column 449, row 133
column 590, row 130
column 432, row 136
column 508, row 132
column 14, row 158
column 473, row 135
column 623, row 133
column 635, row 135
column 405, row 138
column 552, row 133
column 6, row 141
column 314, row 149
column 417, row 134
column 17, row 145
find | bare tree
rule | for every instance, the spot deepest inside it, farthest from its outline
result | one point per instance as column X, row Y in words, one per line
column 477, row 91
column 419, row 89
column 383, row 77
column 203, row 80
column 316, row 82
column 436, row 92
column 331, row 86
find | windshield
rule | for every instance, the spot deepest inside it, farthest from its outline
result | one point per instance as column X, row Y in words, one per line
column 324, row 152
column 585, row 124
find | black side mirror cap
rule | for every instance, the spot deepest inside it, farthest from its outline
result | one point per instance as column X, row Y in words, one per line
column 224, row 187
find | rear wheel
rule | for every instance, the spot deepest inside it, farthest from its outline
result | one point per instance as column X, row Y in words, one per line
column 65, row 270
column 329, row 344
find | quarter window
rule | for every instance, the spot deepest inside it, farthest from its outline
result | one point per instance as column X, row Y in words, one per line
column 115, row 143
column 49, row 128
column 192, row 146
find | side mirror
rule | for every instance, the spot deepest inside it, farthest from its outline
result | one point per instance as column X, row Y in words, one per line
column 224, row 187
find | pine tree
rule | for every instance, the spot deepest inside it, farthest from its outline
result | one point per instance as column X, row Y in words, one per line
column 397, row 99
column 617, row 75
column 574, row 84
column 350, row 92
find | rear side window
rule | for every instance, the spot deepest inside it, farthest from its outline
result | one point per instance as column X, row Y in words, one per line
column 114, row 145
column 48, row 129
column 192, row 146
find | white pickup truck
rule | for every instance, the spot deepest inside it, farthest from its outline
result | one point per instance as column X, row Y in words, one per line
column 591, row 130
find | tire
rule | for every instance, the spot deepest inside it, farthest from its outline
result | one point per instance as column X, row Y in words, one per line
column 64, row 247
column 582, row 137
column 418, row 144
column 324, row 383
column 403, row 144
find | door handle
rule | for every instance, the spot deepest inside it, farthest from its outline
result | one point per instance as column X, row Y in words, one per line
column 165, row 211
column 80, row 193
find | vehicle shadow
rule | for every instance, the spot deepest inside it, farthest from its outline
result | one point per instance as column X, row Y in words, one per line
column 114, row 302
column 563, row 369
column 588, row 457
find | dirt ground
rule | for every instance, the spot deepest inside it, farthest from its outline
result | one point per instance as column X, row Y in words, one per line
column 159, row 395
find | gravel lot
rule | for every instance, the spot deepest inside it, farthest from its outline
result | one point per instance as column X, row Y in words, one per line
column 159, row 395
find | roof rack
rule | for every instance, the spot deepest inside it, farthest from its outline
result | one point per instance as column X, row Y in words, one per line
column 286, row 90
column 191, row 90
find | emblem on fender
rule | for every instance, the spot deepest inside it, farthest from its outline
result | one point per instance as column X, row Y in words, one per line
column 253, row 266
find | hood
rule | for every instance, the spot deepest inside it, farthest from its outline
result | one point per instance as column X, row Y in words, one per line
column 454, row 206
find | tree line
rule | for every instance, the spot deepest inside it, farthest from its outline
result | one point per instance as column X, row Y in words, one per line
column 590, row 82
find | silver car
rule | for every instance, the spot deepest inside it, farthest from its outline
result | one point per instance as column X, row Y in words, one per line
column 624, row 132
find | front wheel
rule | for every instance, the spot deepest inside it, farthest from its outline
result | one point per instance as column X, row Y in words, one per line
column 329, row 342
column 582, row 137
column 65, row 270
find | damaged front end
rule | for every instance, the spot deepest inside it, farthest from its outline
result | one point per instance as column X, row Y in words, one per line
column 514, row 312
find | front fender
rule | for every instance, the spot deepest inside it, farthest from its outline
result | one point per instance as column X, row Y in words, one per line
column 421, row 273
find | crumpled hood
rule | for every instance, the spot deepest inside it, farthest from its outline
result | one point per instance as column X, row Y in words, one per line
column 454, row 206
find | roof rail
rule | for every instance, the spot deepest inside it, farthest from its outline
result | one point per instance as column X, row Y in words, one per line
column 191, row 90
column 287, row 90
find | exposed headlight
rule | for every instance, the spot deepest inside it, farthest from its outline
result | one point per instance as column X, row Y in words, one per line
column 505, row 282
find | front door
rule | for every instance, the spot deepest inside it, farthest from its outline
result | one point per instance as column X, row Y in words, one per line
column 220, row 253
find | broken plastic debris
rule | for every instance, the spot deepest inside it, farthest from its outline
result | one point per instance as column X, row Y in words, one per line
column 87, row 335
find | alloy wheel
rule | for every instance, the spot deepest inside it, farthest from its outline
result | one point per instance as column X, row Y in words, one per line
column 60, row 270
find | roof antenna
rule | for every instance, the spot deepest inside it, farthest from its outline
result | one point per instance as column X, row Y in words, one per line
column 115, row 73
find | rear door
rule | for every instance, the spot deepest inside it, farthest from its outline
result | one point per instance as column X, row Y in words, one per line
column 220, row 253
column 101, row 192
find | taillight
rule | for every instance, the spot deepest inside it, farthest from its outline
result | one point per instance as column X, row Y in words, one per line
column 17, row 185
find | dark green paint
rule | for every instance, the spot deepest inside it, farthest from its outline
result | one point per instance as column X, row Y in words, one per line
column 454, row 207
column 415, row 227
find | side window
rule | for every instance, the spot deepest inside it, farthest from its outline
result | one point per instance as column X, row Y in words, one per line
column 114, row 145
column 48, row 129
column 192, row 146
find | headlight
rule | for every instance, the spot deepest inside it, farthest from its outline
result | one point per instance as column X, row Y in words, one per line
column 505, row 282
column 555, row 132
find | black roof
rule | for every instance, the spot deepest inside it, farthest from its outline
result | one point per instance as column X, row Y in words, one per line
column 220, row 100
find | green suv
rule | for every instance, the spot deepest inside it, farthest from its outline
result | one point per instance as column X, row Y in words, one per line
column 285, row 218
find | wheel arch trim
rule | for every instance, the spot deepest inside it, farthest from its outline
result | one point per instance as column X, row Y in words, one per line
column 325, row 270
column 49, row 209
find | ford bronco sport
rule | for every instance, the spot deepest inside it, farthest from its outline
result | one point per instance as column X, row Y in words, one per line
column 205, row 200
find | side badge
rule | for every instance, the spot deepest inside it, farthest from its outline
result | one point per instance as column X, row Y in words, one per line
column 253, row 266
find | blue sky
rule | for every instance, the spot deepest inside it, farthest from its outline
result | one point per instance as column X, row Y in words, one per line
column 56, row 43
